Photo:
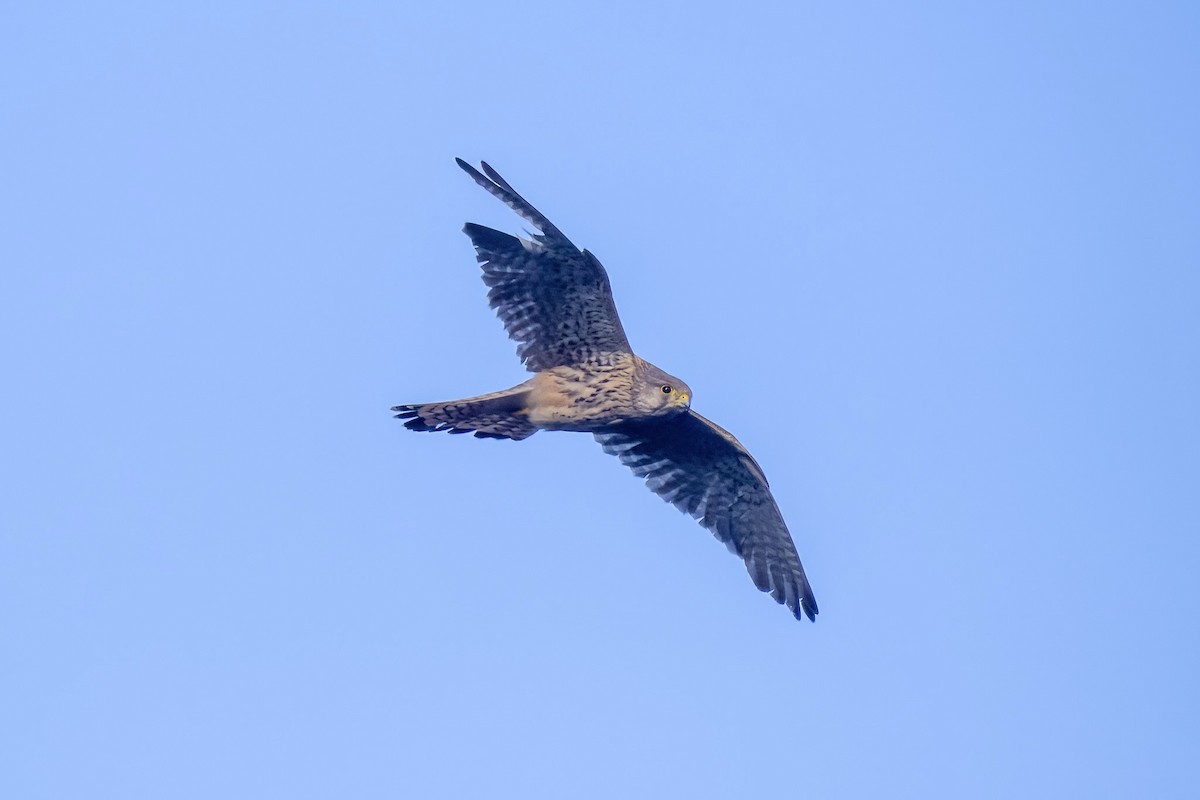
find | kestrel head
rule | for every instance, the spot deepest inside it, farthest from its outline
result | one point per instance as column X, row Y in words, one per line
column 655, row 393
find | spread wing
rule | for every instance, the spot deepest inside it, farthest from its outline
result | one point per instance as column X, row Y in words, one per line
column 700, row 468
column 554, row 299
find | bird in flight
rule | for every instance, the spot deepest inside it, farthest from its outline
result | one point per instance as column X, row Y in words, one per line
column 555, row 302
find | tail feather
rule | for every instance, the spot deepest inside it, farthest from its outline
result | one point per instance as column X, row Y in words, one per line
column 500, row 415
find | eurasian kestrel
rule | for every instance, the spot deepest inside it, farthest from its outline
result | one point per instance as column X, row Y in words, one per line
column 556, row 303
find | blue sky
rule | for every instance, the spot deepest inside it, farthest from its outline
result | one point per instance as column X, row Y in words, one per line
column 936, row 267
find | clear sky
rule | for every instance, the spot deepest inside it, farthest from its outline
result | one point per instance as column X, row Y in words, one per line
column 937, row 267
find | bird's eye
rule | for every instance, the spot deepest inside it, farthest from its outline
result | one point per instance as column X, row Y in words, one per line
column 666, row 389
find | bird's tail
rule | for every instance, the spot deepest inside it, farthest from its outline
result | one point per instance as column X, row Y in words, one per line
column 499, row 415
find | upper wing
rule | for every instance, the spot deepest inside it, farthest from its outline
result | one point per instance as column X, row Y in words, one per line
column 698, row 466
column 554, row 299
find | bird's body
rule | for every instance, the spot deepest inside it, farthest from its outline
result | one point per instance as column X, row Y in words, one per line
column 581, row 398
column 555, row 301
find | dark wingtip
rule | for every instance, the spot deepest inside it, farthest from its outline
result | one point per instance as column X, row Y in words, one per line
column 502, row 190
column 487, row 170
column 808, row 606
column 411, row 414
column 414, row 422
column 489, row 241
column 495, row 176
column 474, row 173
column 418, row 424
